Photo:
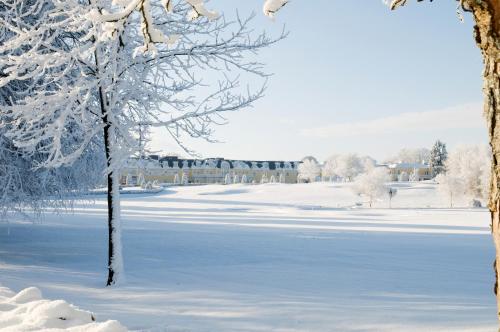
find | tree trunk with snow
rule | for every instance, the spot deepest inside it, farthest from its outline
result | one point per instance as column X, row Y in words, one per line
column 115, row 260
column 487, row 34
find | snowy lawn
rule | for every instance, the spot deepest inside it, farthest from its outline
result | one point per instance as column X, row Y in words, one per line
column 267, row 258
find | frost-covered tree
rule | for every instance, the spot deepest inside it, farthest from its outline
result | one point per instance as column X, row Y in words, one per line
column 372, row 184
column 412, row 156
column 450, row 186
column 309, row 170
column 346, row 166
column 282, row 178
column 27, row 189
column 227, row 179
column 176, row 179
column 329, row 169
column 236, row 178
column 244, row 179
column 438, row 157
column 24, row 184
column 486, row 14
column 470, row 164
column 349, row 166
column 108, row 67
column 185, row 179
column 273, row 179
column 367, row 163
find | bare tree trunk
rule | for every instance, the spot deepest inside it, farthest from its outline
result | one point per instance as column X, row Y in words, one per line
column 115, row 260
column 487, row 34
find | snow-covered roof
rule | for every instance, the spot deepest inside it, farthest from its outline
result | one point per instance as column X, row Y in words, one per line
column 408, row 165
column 173, row 161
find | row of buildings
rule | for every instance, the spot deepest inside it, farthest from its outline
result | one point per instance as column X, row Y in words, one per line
column 172, row 169
column 409, row 171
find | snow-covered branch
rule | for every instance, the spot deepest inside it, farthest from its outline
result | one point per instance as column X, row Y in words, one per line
column 461, row 5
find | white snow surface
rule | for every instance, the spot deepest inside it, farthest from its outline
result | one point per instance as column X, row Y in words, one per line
column 28, row 311
column 273, row 257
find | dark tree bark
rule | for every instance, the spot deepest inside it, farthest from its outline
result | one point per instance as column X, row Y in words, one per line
column 113, row 198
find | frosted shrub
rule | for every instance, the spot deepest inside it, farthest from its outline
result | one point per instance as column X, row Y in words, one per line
column 372, row 184
column 185, row 179
column 309, row 170
column 450, row 186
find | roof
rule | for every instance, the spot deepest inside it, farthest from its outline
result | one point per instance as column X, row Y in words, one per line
column 172, row 161
column 408, row 165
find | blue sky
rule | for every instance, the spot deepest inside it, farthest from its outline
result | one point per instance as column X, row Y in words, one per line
column 355, row 77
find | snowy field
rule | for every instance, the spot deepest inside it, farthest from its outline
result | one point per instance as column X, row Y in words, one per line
column 266, row 258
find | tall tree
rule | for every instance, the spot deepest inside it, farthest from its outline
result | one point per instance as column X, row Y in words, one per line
column 438, row 157
column 486, row 15
column 133, row 63
column 24, row 184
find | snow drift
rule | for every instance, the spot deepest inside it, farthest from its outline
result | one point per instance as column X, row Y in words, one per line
column 28, row 311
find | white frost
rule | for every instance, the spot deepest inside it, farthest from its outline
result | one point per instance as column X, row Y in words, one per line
column 28, row 311
column 272, row 6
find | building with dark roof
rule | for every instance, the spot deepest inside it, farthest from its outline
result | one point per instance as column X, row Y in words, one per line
column 172, row 169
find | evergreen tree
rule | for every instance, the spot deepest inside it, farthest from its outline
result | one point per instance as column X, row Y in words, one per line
column 438, row 157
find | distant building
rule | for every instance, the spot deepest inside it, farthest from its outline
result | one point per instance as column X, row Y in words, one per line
column 205, row 171
column 410, row 171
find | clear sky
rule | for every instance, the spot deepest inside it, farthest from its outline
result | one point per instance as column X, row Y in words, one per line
column 355, row 77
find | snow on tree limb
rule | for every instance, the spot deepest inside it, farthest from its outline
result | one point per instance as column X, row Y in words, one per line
column 395, row 4
column 271, row 7
column 93, row 75
column 200, row 10
column 150, row 32
column 139, row 89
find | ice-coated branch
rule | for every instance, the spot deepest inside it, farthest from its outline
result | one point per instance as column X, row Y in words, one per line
column 271, row 7
column 461, row 6
column 75, row 77
column 113, row 20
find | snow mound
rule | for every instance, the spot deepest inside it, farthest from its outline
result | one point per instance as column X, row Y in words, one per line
column 27, row 295
column 28, row 311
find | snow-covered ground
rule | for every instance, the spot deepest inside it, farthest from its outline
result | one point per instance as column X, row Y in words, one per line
column 266, row 258
column 28, row 311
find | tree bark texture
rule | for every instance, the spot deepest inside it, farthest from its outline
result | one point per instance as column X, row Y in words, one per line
column 487, row 35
